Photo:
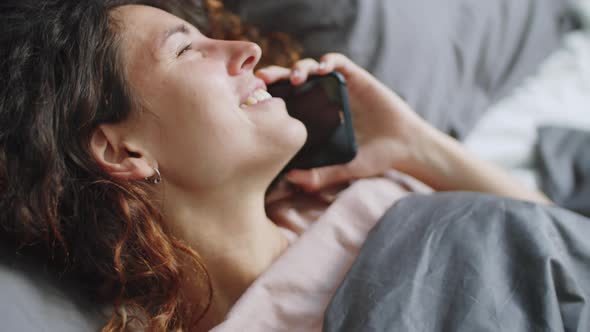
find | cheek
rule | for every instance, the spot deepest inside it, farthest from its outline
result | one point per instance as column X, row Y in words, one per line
column 202, row 134
column 204, row 137
column 192, row 107
column 196, row 150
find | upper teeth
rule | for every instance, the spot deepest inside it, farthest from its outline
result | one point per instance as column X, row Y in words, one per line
column 257, row 96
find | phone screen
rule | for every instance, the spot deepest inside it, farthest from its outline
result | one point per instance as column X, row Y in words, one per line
column 322, row 105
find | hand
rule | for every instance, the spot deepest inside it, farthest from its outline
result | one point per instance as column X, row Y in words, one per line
column 391, row 135
column 388, row 132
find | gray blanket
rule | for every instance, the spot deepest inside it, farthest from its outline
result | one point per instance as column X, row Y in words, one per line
column 564, row 160
column 469, row 262
column 449, row 59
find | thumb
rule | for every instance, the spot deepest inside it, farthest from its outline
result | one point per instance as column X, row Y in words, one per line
column 317, row 179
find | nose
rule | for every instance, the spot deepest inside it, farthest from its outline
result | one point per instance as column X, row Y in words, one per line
column 244, row 57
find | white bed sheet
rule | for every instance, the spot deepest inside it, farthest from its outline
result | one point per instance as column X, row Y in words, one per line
column 558, row 94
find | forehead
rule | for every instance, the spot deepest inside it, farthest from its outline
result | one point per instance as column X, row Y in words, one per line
column 144, row 24
column 140, row 29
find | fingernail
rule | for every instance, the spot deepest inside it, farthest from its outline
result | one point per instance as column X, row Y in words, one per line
column 296, row 73
column 323, row 66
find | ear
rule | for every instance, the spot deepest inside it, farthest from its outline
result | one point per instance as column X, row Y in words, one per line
column 117, row 157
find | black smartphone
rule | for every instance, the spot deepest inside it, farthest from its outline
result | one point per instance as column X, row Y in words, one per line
column 321, row 103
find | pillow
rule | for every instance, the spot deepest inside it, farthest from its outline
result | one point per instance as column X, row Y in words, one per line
column 33, row 300
column 449, row 59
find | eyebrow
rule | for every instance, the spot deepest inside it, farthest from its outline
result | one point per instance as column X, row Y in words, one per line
column 181, row 28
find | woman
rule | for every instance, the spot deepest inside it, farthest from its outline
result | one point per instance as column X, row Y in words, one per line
column 136, row 154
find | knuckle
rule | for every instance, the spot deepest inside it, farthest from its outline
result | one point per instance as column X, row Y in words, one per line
column 272, row 70
column 331, row 55
column 275, row 67
column 306, row 63
column 316, row 179
column 338, row 58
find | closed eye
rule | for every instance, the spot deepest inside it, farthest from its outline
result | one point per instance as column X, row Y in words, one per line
column 185, row 49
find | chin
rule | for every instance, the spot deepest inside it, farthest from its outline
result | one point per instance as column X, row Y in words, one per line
column 297, row 133
column 282, row 128
column 280, row 137
column 287, row 139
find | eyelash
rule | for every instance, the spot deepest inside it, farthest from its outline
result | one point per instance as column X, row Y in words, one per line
column 186, row 48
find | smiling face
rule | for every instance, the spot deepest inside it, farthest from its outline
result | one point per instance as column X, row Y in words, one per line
column 203, row 115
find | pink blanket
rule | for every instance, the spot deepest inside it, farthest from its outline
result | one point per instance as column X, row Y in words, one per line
column 326, row 232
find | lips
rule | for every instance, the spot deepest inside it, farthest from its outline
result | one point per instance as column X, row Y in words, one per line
column 259, row 95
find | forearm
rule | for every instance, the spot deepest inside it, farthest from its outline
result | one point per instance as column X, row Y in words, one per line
column 450, row 167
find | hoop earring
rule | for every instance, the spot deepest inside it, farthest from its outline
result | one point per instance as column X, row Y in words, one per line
column 156, row 178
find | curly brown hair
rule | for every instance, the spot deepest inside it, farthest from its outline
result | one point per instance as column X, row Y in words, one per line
column 60, row 78
column 277, row 48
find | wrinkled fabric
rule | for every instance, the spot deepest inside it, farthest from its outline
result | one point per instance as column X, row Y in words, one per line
column 293, row 293
column 563, row 155
column 468, row 262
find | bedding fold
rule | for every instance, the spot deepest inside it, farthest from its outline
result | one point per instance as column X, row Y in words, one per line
column 563, row 155
column 468, row 262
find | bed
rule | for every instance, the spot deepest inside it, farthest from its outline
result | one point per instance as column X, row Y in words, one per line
column 466, row 67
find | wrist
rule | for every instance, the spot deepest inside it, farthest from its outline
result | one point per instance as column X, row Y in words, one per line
column 436, row 157
column 447, row 166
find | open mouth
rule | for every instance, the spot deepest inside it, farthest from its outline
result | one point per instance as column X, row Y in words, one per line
column 259, row 95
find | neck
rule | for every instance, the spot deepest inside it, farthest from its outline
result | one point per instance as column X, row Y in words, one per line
column 234, row 238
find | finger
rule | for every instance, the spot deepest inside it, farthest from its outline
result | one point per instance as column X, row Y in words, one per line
column 302, row 69
column 282, row 190
column 338, row 62
column 320, row 178
column 273, row 74
column 326, row 65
